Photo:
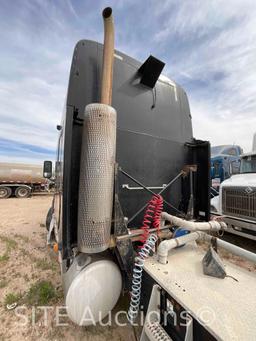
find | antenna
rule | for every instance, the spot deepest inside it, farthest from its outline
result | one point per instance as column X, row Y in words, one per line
column 254, row 143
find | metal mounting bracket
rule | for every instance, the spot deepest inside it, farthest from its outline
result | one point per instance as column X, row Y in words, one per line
column 126, row 186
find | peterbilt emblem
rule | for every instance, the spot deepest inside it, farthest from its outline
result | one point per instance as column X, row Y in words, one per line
column 248, row 190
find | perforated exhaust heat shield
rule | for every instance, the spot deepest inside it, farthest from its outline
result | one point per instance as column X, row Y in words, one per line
column 96, row 178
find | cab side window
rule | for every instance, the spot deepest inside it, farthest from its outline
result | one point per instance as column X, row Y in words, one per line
column 230, row 151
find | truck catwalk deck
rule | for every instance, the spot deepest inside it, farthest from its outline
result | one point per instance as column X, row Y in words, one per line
column 218, row 302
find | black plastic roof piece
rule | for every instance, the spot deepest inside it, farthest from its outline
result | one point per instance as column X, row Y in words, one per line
column 150, row 71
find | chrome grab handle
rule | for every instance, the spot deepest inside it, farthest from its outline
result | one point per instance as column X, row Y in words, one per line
column 126, row 186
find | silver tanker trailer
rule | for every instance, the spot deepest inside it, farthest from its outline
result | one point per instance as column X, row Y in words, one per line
column 21, row 179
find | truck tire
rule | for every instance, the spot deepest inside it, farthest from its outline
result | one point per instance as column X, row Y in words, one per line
column 22, row 192
column 49, row 218
column 5, row 192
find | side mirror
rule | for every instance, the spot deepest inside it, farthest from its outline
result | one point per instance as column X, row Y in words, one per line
column 47, row 173
column 234, row 167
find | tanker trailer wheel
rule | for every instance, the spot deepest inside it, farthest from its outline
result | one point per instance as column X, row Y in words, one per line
column 22, row 192
column 5, row 192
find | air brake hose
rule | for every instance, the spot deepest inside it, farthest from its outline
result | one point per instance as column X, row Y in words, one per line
column 151, row 219
column 152, row 216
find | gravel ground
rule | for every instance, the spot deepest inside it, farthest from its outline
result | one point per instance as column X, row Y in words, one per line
column 245, row 243
column 30, row 277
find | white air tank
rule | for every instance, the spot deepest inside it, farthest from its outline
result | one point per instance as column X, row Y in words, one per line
column 92, row 289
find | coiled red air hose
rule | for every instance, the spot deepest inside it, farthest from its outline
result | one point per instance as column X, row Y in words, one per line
column 152, row 216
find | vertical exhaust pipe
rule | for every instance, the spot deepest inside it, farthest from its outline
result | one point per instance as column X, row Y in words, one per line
column 98, row 151
column 108, row 57
column 95, row 203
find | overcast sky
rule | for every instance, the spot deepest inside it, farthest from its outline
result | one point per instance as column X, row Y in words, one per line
column 209, row 48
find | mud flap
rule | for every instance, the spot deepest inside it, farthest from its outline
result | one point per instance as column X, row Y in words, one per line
column 51, row 233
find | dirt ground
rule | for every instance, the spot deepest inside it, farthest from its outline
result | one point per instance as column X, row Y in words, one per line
column 30, row 278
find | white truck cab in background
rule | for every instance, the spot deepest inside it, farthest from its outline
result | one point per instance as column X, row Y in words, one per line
column 237, row 197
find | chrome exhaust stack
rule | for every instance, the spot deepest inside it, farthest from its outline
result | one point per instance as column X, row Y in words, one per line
column 108, row 57
column 98, row 157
